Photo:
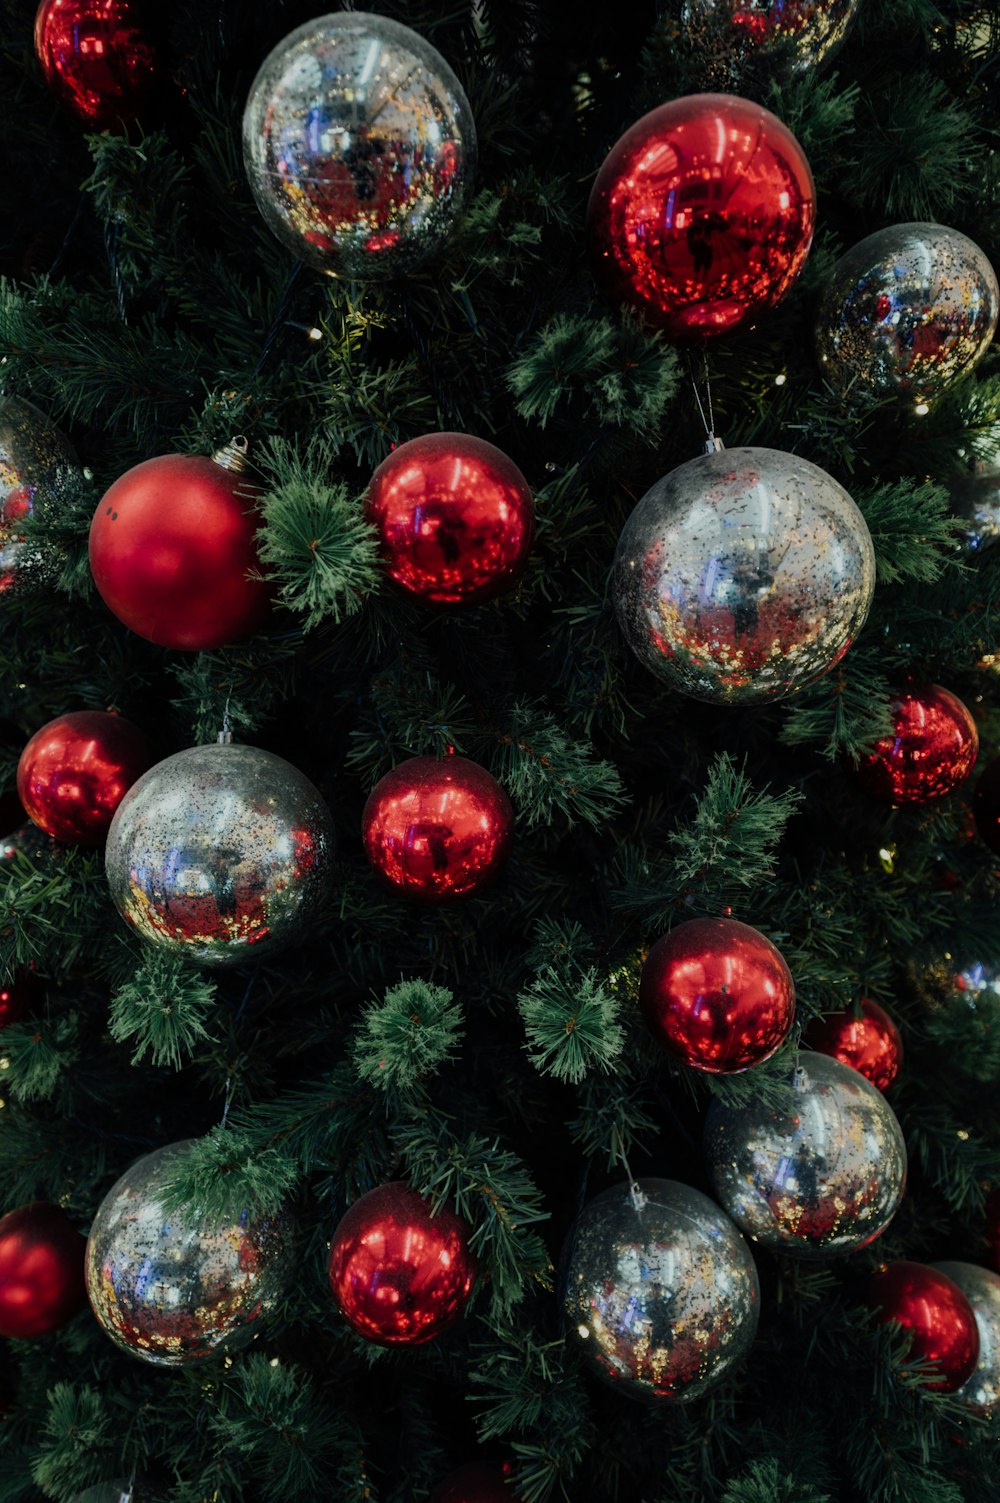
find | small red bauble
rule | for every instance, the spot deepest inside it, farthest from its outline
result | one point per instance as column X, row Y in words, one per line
column 76, row 770
column 702, row 214
column 986, row 806
column 717, row 994
column 399, row 1274
column 931, row 751
column 41, row 1270
column 926, row 1302
column 173, row 552
column 870, row 1043
column 454, row 516
column 95, row 58
column 437, row 830
column 475, row 1484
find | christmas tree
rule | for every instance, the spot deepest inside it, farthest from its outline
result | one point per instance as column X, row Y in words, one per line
column 499, row 949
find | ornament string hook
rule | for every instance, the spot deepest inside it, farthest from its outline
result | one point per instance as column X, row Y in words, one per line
column 712, row 444
column 225, row 736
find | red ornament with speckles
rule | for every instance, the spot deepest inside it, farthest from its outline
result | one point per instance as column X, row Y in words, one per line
column 476, row 1484
column 76, row 770
column 926, row 1302
column 41, row 1270
column 870, row 1043
column 931, row 751
column 95, row 59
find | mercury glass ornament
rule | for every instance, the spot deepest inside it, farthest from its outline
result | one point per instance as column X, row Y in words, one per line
column 975, row 500
column 981, row 1287
column 359, row 145
column 907, row 311
column 36, row 464
column 796, row 36
column 823, row 1176
column 660, row 1293
column 743, row 575
column 173, row 1287
column 222, row 852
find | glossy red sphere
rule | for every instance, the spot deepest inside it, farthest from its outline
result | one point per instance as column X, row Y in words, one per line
column 76, row 770
column 172, row 552
column 41, row 1270
column 986, row 806
column 18, row 997
column 717, row 994
column 95, row 58
column 926, row 1302
column 454, row 516
column 931, row 751
column 399, row 1275
column 870, row 1043
column 475, row 1484
column 702, row 214
column 437, row 830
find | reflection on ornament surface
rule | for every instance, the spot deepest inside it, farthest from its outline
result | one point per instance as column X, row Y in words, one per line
column 868, row 1041
column 981, row 1287
column 95, row 58
column 801, row 34
column 931, row 751
column 36, row 464
column 74, row 772
column 975, row 499
column 924, row 1301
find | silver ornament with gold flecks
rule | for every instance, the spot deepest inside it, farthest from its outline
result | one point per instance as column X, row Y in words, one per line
column 981, row 1288
column 37, row 463
column 907, row 311
column 174, row 1287
column 359, row 145
column 796, row 36
column 743, row 575
column 822, row 1176
column 220, row 852
column 661, row 1294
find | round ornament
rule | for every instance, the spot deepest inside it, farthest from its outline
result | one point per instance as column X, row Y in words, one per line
column 220, row 852
column 454, row 517
column 96, row 59
column 932, row 748
column 907, row 310
column 475, row 1484
column 437, row 830
column 867, row 1040
column 796, row 36
column 823, row 1176
column 661, row 1294
column 172, row 1287
column 37, row 462
column 400, row 1274
column 975, row 500
column 75, row 771
column 925, row 1302
column 981, row 1391
column 743, row 575
column 717, row 994
column 28, row 841
column 359, row 145
column 702, row 215
column 986, row 806
column 41, row 1270
column 173, row 551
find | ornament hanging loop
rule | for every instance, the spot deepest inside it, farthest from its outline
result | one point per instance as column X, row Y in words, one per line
column 233, row 455
column 713, row 445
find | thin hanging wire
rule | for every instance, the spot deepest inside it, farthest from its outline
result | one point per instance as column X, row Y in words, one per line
column 712, row 444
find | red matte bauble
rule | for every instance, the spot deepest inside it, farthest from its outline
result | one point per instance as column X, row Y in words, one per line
column 76, row 770
column 475, row 1484
column 931, row 751
column 870, row 1043
column 454, row 517
column 702, row 215
column 400, row 1275
column 173, row 553
column 96, row 59
column 926, row 1302
column 437, row 830
column 717, row 994
column 986, row 806
column 41, row 1270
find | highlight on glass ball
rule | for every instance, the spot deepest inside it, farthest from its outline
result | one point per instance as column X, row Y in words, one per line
column 96, row 58
column 41, row 1270
column 931, row 751
column 867, row 1039
column 743, row 575
column 702, row 215
column 795, row 35
column 929, row 1305
column 454, row 516
column 74, row 772
column 359, row 146
column 37, row 462
column 981, row 1390
column 975, row 500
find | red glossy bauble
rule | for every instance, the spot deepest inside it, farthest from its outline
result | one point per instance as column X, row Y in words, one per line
column 173, row 552
column 95, row 58
column 18, row 997
column 986, row 806
column 717, row 994
column 870, row 1043
column 931, row 751
column 702, row 214
column 41, row 1270
column 454, row 516
column 475, row 1484
column 399, row 1274
column 76, row 770
column 926, row 1302
column 437, row 830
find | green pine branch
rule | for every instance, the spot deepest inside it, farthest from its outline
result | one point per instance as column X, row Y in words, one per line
column 406, row 1037
column 163, row 1010
column 572, row 1023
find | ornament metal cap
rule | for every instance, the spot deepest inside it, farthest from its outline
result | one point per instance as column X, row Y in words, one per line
column 713, row 445
column 233, row 455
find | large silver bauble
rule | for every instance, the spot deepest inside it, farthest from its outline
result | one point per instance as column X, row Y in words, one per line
column 981, row 1288
column 975, row 501
column 221, row 852
column 743, row 575
column 798, row 35
column 173, row 1287
column 36, row 464
column 661, row 1294
column 907, row 311
column 823, row 1177
column 359, row 145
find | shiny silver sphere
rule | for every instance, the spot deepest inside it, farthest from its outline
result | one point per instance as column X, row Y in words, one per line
column 981, row 1287
column 37, row 463
column 797, row 36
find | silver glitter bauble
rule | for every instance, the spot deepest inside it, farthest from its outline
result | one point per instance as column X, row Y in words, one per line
column 36, row 464
column 907, row 311
column 981, row 1288
column 359, row 145
column 825, row 1176
column 222, row 852
column 798, row 35
column 975, row 500
column 661, row 1294
column 173, row 1287
column 743, row 575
